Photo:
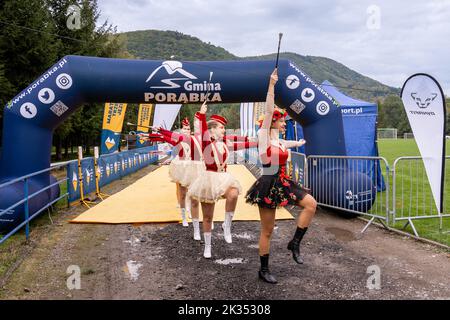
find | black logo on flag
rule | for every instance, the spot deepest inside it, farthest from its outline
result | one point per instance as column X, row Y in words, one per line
column 423, row 102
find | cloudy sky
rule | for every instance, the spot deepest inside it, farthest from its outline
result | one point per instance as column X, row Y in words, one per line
column 385, row 40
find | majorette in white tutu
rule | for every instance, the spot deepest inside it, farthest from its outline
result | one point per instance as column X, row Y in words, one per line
column 184, row 168
column 187, row 166
column 216, row 183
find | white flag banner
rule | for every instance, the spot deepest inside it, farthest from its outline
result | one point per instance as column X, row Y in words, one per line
column 251, row 120
column 424, row 103
column 242, row 118
column 165, row 115
column 247, row 121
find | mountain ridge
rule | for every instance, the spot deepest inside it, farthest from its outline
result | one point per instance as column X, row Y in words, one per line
column 165, row 45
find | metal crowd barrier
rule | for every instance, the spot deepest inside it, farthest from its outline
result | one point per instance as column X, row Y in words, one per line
column 372, row 193
column 412, row 198
column 28, row 196
column 326, row 188
column 402, row 194
column 137, row 155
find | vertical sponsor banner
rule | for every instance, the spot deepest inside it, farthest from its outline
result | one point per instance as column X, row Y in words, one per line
column 241, row 128
column 244, row 118
column 255, row 118
column 298, row 168
column 143, row 121
column 74, row 183
column 87, row 167
column 165, row 115
column 241, row 119
column 250, row 119
column 112, row 127
column 243, row 124
column 87, row 170
column 424, row 103
column 247, row 118
column 259, row 110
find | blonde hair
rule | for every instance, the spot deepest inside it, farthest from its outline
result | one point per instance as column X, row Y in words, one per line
column 212, row 124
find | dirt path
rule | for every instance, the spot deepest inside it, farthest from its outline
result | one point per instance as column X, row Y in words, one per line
column 162, row 261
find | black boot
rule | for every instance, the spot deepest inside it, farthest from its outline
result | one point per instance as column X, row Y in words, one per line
column 294, row 244
column 264, row 272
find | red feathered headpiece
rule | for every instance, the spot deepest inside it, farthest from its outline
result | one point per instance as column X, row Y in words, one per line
column 277, row 114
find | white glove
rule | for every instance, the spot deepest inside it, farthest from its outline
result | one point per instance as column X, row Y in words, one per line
column 204, row 108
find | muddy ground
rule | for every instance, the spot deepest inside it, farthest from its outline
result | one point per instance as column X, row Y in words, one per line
column 162, row 261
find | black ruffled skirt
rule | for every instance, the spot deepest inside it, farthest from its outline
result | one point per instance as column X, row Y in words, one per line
column 274, row 191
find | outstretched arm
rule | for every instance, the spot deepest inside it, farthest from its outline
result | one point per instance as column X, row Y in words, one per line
column 235, row 138
column 264, row 131
column 176, row 137
column 293, row 143
column 154, row 137
column 234, row 146
column 204, row 133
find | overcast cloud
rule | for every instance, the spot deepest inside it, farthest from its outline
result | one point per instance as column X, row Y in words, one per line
column 413, row 36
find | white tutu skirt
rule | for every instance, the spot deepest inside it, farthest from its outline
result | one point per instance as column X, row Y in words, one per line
column 211, row 186
column 192, row 171
column 177, row 169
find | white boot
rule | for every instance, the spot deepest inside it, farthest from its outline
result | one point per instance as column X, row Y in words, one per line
column 196, row 224
column 226, row 226
column 207, row 252
column 183, row 217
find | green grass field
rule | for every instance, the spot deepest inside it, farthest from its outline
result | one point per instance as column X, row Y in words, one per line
column 413, row 195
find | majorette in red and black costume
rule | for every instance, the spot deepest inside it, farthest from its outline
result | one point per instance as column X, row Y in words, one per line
column 216, row 182
column 274, row 188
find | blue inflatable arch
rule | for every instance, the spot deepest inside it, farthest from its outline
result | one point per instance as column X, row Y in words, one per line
column 31, row 117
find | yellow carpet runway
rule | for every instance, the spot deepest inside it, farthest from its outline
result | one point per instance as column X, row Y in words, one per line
column 152, row 199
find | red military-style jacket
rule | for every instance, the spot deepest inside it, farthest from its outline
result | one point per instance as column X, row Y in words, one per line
column 215, row 153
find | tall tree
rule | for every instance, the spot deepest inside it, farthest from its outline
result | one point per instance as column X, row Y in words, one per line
column 392, row 114
column 27, row 45
column 6, row 91
column 76, row 25
column 447, row 104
